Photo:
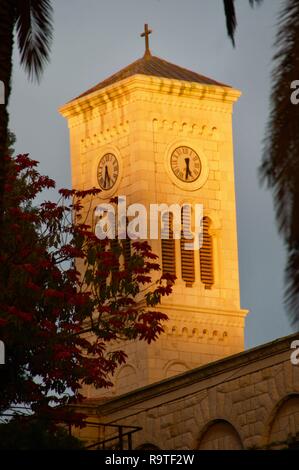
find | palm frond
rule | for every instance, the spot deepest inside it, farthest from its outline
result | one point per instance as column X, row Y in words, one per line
column 280, row 162
column 34, row 32
column 292, row 287
column 231, row 17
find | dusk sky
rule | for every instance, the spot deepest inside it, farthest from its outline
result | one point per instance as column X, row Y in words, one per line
column 95, row 38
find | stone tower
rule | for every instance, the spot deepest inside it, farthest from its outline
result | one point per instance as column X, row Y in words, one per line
column 158, row 133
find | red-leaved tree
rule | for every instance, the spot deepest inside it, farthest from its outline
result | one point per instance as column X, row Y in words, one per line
column 55, row 321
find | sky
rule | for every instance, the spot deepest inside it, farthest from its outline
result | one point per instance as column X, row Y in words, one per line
column 95, row 38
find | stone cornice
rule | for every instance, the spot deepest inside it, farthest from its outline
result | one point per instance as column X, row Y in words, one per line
column 239, row 313
column 223, row 367
column 145, row 85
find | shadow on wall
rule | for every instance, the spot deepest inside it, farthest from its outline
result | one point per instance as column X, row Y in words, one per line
column 284, row 424
column 220, row 435
column 282, row 430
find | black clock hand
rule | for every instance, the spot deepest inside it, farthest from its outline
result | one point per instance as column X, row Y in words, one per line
column 106, row 177
column 188, row 172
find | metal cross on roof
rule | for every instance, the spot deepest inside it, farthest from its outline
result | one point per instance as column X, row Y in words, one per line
column 145, row 35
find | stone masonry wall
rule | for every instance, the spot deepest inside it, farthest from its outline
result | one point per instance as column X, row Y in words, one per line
column 250, row 400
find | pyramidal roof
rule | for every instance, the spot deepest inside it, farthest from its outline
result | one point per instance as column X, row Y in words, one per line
column 154, row 66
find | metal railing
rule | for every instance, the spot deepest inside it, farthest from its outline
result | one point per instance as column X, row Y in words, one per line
column 121, row 440
column 120, row 437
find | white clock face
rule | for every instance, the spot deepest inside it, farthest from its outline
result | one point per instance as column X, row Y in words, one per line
column 108, row 171
column 185, row 164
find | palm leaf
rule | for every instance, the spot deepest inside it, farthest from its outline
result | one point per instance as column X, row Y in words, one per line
column 280, row 162
column 292, row 287
column 231, row 18
column 34, row 32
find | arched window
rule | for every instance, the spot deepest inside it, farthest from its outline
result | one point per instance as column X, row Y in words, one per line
column 187, row 256
column 220, row 435
column 284, row 429
column 121, row 248
column 206, row 256
column 168, row 244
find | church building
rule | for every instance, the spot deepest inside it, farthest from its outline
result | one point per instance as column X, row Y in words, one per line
column 158, row 133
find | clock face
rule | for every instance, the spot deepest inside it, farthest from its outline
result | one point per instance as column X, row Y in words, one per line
column 185, row 164
column 108, row 171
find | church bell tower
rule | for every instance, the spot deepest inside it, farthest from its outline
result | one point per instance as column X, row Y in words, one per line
column 161, row 134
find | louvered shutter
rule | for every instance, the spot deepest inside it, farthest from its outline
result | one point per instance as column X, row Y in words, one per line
column 206, row 256
column 168, row 245
column 126, row 251
column 187, row 256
